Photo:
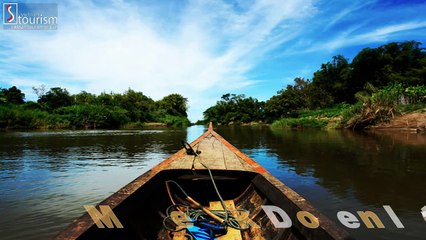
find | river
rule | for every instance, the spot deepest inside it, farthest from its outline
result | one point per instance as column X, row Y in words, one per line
column 47, row 176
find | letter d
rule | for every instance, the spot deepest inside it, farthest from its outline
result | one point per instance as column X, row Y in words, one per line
column 271, row 210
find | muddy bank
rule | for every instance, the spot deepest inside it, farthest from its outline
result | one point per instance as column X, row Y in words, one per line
column 413, row 122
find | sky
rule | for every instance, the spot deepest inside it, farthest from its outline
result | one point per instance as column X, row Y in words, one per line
column 200, row 49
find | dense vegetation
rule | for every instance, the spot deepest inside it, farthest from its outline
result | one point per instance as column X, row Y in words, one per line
column 370, row 89
column 57, row 108
column 358, row 93
column 234, row 108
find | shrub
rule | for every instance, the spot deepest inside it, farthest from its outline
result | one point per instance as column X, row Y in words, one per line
column 299, row 123
column 175, row 121
column 326, row 112
column 380, row 106
column 416, row 94
column 93, row 116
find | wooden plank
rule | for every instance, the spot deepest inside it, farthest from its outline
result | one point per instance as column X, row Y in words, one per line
column 177, row 218
column 254, row 166
column 214, row 154
column 184, row 162
column 232, row 234
column 232, row 161
column 211, row 154
column 179, row 235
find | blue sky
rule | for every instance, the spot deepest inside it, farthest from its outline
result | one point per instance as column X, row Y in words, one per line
column 200, row 49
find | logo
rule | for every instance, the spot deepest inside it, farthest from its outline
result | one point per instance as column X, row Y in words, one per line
column 10, row 13
column 30, row 16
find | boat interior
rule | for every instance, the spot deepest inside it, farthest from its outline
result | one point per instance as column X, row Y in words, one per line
column 142, row 214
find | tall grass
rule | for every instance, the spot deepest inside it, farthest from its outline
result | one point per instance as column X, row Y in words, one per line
column 175, row 121
column 374, row 106
column 12, row 116
column 412, row 107
column 299, row 123
column 331, row 112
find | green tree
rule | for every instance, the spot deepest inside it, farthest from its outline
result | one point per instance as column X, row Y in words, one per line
column 233, row 108
column 334, row 78
column 105, row 99
column 2, row 96
column 174, row 104
column 288, row 101
column 12, row 95
column 93, row 116
column 138, row 105
column 391, row 63
column 317, row 97
column 39, row 90
column 84, row 97
column 55, row 98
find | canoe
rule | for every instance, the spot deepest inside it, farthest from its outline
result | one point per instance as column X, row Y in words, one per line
column 183, row 183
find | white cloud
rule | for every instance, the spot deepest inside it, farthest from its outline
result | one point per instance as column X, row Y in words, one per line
column 378, row 35
column 345, row 11
column 200, row 49
column 348, row 37
column 205, row 51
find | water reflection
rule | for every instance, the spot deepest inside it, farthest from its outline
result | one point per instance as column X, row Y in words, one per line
column 344, row 170
column 370, row 164
column 46, row 177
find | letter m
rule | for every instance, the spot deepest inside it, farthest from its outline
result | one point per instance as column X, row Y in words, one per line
column 106, row 216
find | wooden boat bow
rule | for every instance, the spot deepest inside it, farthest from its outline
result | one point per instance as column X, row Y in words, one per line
column 252, row 186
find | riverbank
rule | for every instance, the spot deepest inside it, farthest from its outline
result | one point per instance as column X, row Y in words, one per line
column 327, row 118
column 127, row 126
column 82, row 117
column 407, row 118
column 412, row 122
column 58, row 109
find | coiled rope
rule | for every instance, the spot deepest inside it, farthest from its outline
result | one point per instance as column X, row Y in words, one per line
column 200, row 213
